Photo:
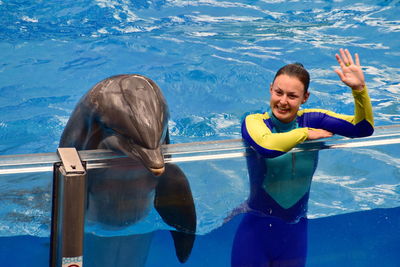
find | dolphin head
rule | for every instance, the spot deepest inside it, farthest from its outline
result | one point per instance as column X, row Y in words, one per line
column 134, row 114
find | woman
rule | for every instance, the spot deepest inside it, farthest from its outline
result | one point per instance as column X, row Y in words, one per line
column 280, row 182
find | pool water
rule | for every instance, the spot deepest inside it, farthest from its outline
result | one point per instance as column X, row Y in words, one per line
column 345, row 240
column 214, row 61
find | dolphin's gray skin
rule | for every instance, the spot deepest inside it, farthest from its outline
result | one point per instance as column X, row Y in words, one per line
column 128, row 114
column 127, row 111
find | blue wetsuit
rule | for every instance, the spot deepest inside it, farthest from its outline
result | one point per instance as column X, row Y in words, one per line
column 274, row 232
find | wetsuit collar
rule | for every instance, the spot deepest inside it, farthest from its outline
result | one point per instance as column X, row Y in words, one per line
column 282, row 127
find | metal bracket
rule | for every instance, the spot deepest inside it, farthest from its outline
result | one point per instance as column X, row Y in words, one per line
column 70, row 160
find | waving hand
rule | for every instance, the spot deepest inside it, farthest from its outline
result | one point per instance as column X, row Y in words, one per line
column 350, row 73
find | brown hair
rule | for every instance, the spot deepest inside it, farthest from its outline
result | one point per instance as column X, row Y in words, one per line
column 295, row 70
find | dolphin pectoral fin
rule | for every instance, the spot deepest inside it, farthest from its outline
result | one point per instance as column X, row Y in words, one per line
column 174, row 202
column 183, row 244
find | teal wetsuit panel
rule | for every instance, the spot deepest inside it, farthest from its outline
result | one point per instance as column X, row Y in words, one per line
column 288, row 177
column 274, row 231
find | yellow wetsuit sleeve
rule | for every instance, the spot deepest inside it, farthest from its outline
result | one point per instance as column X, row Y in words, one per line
column 259, row 136
column 362, row 107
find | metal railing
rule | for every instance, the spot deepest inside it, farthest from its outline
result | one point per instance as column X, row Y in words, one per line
column 185, row 152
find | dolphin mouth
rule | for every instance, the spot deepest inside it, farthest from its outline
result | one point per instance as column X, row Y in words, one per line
column 157, row 172
column 152, row 159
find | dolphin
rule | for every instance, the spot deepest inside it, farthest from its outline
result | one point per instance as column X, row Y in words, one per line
column 128, row 114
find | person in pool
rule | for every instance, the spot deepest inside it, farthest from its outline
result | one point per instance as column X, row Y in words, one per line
column 274, row 230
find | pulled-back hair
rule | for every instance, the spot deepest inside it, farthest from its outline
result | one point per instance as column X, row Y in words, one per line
column 296, row 70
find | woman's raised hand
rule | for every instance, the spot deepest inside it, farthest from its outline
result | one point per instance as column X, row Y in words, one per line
column 350, row 73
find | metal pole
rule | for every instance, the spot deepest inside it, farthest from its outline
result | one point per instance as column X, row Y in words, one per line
column 68, row 210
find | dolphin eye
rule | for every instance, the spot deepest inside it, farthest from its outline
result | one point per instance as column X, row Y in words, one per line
column 105, row 128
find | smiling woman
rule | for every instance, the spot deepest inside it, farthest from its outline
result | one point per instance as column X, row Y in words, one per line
column 289, row 91
column 287, row 94
column 280, row 182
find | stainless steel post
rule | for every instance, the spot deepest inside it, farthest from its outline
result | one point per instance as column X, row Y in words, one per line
column 68, row 210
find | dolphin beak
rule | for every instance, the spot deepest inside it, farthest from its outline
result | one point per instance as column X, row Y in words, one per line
column 153, row 159
column 157, row 172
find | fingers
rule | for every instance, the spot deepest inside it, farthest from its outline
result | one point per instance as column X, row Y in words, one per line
column 346, row 57
column 349, row 57
column 324, row 133
column 340, row 74
column 340, row 61
column 314, row 134
column 357, row 60
column 350, row 73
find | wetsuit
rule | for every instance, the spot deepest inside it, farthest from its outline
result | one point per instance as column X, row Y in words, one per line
column 276, row 228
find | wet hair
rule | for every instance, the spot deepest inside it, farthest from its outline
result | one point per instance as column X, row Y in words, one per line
column 295, row 70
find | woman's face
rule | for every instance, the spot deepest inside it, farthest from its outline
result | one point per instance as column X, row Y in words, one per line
column 287, row 94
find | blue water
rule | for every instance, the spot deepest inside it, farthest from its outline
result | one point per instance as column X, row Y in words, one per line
column 214, row 61
column 344, row 240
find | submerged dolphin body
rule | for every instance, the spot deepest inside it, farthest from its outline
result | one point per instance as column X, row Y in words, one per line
column 128, row 114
